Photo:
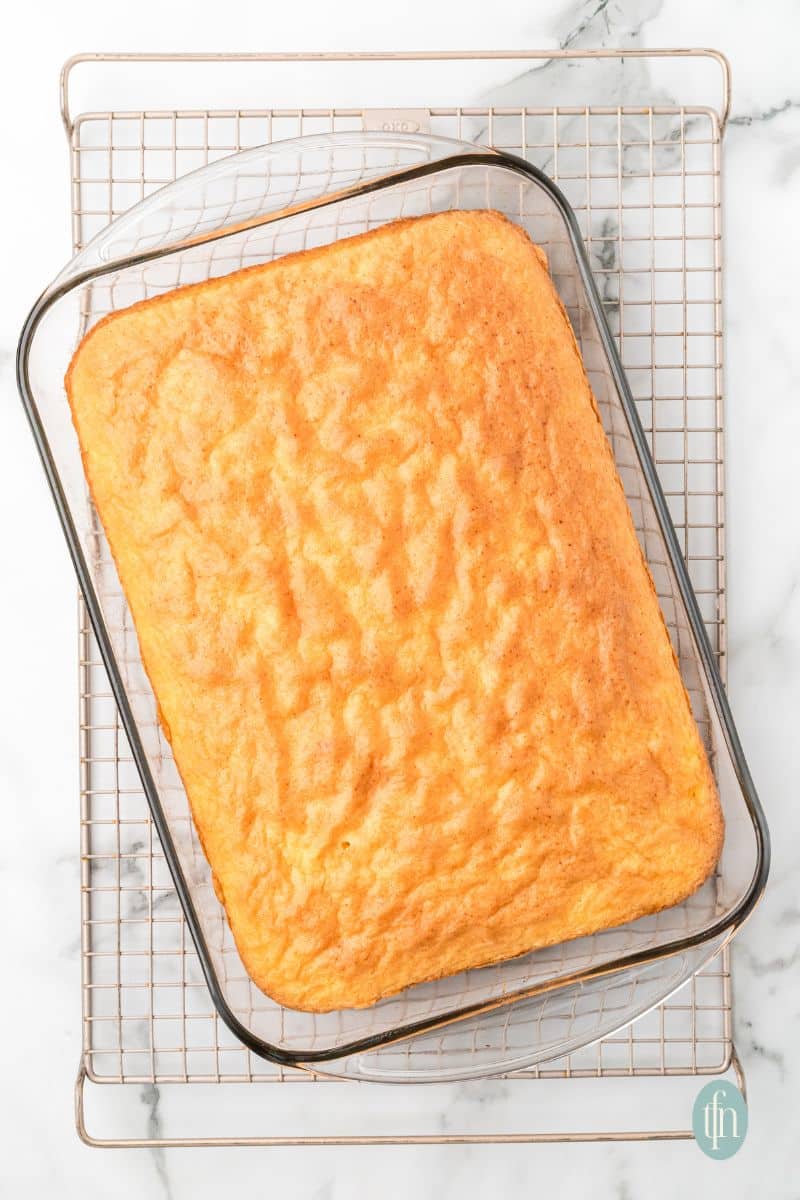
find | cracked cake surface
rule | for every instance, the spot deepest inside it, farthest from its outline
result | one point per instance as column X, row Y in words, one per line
column 392, row 606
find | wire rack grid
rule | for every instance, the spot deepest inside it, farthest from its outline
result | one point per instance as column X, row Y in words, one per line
column 645, row 186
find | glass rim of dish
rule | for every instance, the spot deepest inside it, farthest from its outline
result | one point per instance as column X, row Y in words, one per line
column 84, row 269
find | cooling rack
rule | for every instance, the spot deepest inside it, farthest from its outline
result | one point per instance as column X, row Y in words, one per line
column 644, row 181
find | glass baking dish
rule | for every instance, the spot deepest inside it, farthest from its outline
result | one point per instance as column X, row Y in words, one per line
column 255, row 207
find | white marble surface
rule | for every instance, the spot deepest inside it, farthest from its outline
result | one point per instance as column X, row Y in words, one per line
column 39, row 1002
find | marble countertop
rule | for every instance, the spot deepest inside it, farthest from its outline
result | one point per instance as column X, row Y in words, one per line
column 39, row 872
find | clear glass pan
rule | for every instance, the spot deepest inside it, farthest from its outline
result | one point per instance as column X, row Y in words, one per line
column 258, row 206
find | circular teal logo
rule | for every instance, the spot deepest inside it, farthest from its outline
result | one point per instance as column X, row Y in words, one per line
column 719, row 1119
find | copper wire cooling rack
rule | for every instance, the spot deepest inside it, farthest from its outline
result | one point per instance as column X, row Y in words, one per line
column 644, row 182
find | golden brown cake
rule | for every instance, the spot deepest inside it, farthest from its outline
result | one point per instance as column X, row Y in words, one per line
column 391, row 603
